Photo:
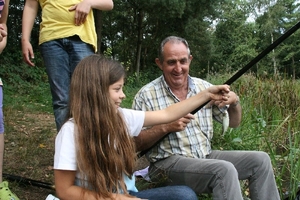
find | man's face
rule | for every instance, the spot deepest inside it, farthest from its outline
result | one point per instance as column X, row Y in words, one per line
column 176, row 64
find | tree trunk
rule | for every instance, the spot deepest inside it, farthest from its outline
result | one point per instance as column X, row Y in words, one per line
column 294, row 69
column 139, row 43
column 98, row 24
column 273, row 56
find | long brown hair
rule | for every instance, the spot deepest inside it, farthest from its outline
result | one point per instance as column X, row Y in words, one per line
column 104, row 148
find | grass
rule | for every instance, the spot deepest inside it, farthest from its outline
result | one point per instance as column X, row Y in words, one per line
column 270, row 123
column 29, row 139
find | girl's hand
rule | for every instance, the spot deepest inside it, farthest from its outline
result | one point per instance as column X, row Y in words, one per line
column 124, row 197
column 219, row 94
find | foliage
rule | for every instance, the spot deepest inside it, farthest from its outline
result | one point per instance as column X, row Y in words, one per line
column 270, row 122
column 223, row 37
column 222, row 34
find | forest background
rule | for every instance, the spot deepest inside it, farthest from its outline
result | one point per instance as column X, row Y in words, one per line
column 223, row 37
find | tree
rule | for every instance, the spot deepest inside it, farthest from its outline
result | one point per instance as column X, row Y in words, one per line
column 235, row 37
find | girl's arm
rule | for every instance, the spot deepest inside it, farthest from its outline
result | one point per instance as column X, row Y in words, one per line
column 180, row 109
column 3, row 26
column 29, row 14
column 66, row 190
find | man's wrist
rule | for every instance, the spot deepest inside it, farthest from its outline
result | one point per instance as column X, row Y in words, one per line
column 237, row 102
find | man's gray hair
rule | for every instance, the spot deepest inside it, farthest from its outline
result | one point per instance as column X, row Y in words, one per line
column 172, row 39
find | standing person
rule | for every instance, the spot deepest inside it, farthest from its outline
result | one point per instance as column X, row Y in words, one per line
column 185, row 156
column 67, row 35
column 5, row 192
column 94, row 150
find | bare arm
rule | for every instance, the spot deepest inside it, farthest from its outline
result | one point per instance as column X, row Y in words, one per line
column 182, row 108
column 150, row 136
column 66, row 190
column 84, row 7
column 101, row 4
column 28, row 18
column 234, row 111
column 3, row 26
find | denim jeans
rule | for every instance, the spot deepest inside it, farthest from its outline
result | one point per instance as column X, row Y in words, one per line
column 1, row 111
column 220, row 173
column 167, row 193
column 60, row 58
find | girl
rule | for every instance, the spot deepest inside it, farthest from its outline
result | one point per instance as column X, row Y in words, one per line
column 94, row 150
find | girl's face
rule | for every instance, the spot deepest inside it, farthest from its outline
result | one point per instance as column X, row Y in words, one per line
column 116, row 92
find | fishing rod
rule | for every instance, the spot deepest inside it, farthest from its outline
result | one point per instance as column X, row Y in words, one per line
column 28, row 181
column 240, row 72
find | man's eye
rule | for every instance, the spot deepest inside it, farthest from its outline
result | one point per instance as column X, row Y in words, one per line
column 171, row 62
column 184, row 61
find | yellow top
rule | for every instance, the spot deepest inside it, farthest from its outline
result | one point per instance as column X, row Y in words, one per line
column 58, row 22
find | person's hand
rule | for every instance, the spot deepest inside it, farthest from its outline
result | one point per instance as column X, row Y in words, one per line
column 3, row 33
column 219, row 95
column 124, row 197
column 81, row 12
column 180, row 124
column 27, row 52
column 231, row 99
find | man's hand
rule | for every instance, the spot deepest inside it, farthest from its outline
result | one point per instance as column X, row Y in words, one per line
column 180, row 124
column 219, row 95
column 231, row 99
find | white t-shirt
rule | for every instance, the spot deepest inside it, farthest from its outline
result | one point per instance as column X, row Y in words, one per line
column 65, row 152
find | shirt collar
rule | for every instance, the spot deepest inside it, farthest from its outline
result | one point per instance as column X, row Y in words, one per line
column 191, row 83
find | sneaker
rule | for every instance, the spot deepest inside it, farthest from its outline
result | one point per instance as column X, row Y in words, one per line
column 51, row 197
column 5, row 193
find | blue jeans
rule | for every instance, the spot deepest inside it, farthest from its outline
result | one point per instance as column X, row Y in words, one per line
column 60, row 58
column 1, row 111
column 167, row 193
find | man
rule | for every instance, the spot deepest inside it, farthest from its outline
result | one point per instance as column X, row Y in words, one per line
column 185, row 155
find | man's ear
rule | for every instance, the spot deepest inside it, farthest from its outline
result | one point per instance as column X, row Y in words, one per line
column 158, row 63
column 191, row 58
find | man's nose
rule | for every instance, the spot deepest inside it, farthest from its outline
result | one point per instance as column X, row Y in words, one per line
column 177, row 66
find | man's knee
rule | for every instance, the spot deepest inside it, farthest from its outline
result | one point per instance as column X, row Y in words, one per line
column 226, row 170
column 262, row 159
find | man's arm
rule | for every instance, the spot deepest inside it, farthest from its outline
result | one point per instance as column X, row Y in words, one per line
column 234, row 111
column 150, row 136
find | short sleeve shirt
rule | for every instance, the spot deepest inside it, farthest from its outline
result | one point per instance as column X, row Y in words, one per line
column 58, row 22
column 65, row 150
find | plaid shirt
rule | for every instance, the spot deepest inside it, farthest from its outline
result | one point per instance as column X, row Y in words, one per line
column 194, row 141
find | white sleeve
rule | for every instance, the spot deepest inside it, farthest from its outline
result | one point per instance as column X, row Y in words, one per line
column 65, row 152
column 134, row 120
